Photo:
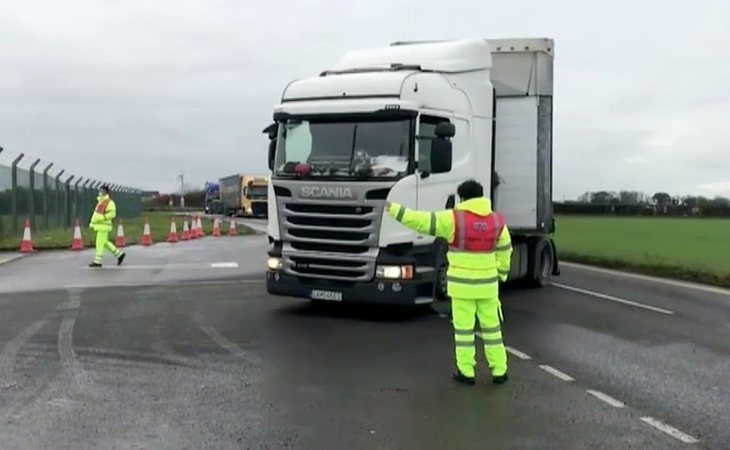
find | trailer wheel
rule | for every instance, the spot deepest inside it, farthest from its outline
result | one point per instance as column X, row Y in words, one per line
column 542, row 258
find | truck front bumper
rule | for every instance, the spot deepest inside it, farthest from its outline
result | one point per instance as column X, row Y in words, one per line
column 384, row 292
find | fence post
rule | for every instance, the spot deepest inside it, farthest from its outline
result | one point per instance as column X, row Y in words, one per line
column 31, row 194
column 45, row 195
column 59, row 222
column 14, row 191
column 67, row 202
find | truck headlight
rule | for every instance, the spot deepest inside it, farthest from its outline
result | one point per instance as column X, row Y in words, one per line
column 249, row 210
column 273, row 263
column 395, row 272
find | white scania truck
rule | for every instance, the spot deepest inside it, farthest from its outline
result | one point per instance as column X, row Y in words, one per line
column 408, row 123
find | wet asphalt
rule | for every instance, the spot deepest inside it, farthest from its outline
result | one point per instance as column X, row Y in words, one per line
column 192, row 356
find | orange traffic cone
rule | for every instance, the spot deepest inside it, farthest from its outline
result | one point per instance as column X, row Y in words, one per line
column 172, row 237
column 26, row 245
column 193, row 228
column 232, row 227
column 201, row 231
column 146, row 235
column 77, row 242
column 186, row 231
column 120, row 241
column 216, row 227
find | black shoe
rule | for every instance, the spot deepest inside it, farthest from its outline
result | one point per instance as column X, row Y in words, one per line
column 462, row 379
column 120, row 258
column 501, row 379
column 95, row 265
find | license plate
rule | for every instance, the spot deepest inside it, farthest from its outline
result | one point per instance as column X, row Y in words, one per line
column 332, row 296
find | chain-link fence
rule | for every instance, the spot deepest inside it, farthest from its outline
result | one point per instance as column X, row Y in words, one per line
column 51, row 198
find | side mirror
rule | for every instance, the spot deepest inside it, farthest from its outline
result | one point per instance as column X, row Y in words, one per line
column 272, row 153
column 445, row 130
column 441, row 155
column 271, row 131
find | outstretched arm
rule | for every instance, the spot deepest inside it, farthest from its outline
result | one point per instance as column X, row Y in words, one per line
column 439, row 224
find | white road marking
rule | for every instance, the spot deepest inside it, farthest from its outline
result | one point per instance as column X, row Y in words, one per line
column 224, row 342
column 11, row 349
column 224, row 265
column 606, row 398
column 65, row 333
column 513, row 351
column 670, row 430
column 556, row 373
column 612, row 298
column 180, row 266
column 635, row 276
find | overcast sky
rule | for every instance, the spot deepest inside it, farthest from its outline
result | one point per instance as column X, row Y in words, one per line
column 139, row 91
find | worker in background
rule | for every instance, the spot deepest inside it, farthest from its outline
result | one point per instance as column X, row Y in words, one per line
column 101, row 222
column 479, row 257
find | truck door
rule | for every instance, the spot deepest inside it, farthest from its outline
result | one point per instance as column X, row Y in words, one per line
column 435, row 191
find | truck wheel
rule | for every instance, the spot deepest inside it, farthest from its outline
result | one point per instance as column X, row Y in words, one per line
column 440, row 283
column 541, row 263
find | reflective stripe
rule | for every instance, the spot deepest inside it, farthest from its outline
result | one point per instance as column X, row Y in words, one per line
column 461, row 241
column 461, row 280
column 401, row 213
column 432, row 226
column 493, row 341
column 502, row 248
column 492, row 329
column 453, row 249
column 459, row 332
column 464, row 344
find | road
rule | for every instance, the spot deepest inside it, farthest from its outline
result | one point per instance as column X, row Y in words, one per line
column 184, row 349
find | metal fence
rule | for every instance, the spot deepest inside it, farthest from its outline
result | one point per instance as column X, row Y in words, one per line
column 51, row 198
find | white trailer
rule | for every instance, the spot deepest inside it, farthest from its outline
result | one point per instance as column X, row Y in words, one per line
column 408, row 123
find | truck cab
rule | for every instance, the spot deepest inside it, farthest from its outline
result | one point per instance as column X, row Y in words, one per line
column 407, row 124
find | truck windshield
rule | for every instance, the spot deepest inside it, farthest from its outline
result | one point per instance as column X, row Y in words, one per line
column 351, row 149
column 257, row 192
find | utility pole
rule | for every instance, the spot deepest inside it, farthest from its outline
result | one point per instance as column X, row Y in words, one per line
column 181, row 177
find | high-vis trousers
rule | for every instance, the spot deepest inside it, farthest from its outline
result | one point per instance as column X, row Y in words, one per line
column 464, row 312
column 103, row 242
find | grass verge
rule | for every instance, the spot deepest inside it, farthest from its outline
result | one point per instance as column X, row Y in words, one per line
column 159, row 228
column 682, row 248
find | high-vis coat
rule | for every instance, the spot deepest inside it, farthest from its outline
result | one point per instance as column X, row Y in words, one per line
column 473, row 272
column 479, row 255
column 104, row 213
column 101, row 222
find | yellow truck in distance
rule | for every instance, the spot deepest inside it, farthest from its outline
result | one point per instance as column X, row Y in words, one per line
column 245, row 195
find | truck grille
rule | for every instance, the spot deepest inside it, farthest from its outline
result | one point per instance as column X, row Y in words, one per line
column 333, row 241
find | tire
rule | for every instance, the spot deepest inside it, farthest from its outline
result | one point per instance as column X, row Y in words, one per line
column 541, row 263
column 439, row 283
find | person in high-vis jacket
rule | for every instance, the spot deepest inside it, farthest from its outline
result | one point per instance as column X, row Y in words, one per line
column 101, row 222
column 479, row 255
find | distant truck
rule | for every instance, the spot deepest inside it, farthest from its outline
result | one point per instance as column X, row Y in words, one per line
column 408, row 123
column 212, row 201
column 245, row 195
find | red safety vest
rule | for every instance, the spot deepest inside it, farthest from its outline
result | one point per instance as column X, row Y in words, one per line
column 101, row 206
column 475, row 233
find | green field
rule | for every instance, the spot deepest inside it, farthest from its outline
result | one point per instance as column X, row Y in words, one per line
column 159, row 228
column 687, row 248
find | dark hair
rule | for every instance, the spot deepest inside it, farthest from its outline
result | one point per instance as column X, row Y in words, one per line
column 105, row 188
column 470, row 189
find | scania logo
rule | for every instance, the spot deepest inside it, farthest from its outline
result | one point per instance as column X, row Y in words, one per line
column 326, row 192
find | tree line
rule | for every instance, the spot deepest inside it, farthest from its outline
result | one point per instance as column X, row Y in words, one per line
column 640, row 203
